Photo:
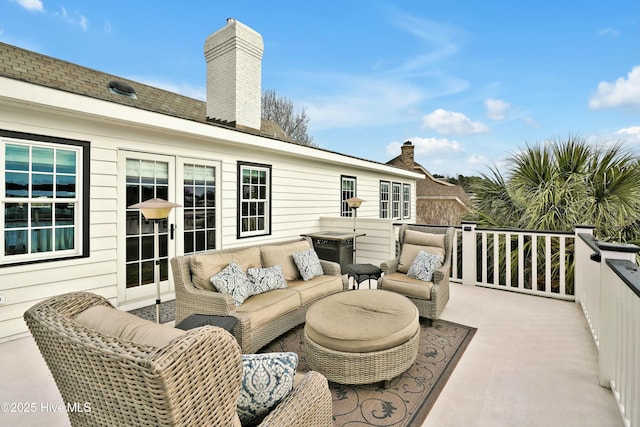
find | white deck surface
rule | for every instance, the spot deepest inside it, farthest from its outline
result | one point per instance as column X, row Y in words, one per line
column 532, row 363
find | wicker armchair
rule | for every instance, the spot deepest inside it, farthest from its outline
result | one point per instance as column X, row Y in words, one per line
column 429, row 297
column 193, row 380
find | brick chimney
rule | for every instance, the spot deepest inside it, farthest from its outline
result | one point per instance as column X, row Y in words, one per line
column 234, row 75
column 408, row 150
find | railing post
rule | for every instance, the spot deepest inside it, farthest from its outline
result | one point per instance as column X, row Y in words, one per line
column 581, row 257
column 469, row 271
column 608, row 333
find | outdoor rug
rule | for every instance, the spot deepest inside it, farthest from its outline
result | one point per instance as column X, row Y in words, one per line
column 408, row 399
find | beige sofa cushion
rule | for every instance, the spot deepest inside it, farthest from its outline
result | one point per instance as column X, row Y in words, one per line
column 115, row 323
column 204, row 266
column 283, row 255
column 416, row 241
column 408, row 286
column 318, row 287
column 362, row 321
column 266, row 307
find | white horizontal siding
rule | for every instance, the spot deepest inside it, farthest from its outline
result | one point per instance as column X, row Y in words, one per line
column 305, row 188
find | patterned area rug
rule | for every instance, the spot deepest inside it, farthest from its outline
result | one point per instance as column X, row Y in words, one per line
column 408, row 399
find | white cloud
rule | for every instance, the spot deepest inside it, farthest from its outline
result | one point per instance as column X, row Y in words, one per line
column 31, row 5
column 531, row 122
column 630, row 134
column 428, row 147
column 497, row 109
column 74, row 18
column 609, row 32
column 451, row 122
column 623, row 92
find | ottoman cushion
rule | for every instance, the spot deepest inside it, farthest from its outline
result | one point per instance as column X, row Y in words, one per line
column 362, row 321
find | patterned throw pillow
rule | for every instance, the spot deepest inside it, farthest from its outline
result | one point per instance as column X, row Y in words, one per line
column 308, row 263
column 266, row 379
column 266, row 279
column 424, row 265
column 233, row 281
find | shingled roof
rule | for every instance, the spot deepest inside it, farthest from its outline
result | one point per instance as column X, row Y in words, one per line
column 35, row 68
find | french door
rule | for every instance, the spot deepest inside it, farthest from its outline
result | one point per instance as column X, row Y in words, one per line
column 193, row 227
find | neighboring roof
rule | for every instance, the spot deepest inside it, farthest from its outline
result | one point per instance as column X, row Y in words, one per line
column 431, row 186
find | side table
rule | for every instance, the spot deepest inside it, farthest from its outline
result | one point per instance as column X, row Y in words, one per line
column 197, row 320
column 362, row 272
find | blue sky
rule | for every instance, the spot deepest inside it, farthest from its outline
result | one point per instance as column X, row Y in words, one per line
column 467, row 81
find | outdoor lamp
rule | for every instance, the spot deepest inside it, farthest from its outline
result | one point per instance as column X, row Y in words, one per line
column 156, row 210
column 354, row 203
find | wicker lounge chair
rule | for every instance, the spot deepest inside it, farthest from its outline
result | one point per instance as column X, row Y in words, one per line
column 430, row 297
column 193, row 380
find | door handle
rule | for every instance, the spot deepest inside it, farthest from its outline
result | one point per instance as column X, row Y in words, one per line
column 172, row 230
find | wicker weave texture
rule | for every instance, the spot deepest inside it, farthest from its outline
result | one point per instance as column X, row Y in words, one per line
column 430, row 309
column 194, row 380
column 191, row 300
column 361, row 368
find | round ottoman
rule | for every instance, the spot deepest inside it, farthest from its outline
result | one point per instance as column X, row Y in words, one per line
column 361, row 337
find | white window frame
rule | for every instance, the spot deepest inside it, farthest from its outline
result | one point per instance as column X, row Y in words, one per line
column 385, row 202
column 261, row 203
column 396, row 200
column 79, row 200
column 406, row 201
column 346, row 194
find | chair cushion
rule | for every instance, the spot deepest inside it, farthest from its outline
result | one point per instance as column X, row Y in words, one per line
column 126, row 326
column 316, row 288
column 405, row 285
column 283, row 255
column 233, row 281
column 266, row 379
column 416, row 241
column 308, row 264
column 264, row 308
column 266, row 279
column 204, row 266
column 424, row 265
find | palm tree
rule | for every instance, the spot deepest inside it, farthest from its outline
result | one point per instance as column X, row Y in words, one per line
column 557, row 185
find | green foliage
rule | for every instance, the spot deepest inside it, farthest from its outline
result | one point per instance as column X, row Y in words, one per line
column 563, row 183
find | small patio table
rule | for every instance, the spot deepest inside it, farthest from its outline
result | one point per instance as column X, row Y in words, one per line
column 362, row 272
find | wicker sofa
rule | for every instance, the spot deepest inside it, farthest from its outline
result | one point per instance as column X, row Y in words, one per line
column 263, row 317
column 430, row 297
column 166, row 377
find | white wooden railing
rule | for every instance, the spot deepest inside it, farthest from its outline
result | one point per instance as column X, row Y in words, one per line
column 602, row 277
column 609, row 294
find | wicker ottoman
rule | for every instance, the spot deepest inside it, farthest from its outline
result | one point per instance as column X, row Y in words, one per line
column 361, row 337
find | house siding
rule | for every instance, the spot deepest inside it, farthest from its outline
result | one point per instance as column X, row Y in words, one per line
column 305, row 188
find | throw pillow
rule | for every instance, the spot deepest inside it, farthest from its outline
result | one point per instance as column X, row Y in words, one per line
column 424, row 265
column 266, row 279
column 266, row 379
column 233, row 281
column 308, row 263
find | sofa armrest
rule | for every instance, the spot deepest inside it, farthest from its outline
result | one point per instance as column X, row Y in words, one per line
column 191, row 300
column 330, row 268
column 390, row 266
column 309, row 404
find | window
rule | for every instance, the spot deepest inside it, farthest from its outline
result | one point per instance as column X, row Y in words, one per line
column 348, row 190
column 406, row 201
column 199, row 207
column 384, row 199
column 395, row 200
column 254, row 201
column 44, row 198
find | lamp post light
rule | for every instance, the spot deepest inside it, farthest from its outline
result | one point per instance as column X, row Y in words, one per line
column 156, row 210
column 354, row 203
